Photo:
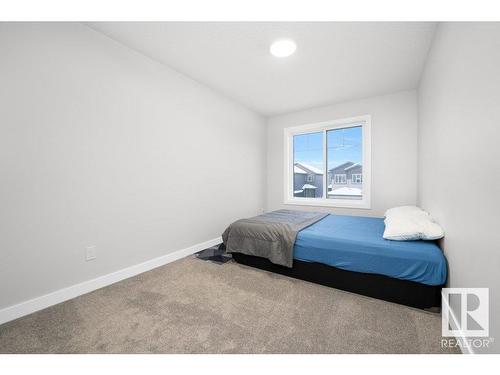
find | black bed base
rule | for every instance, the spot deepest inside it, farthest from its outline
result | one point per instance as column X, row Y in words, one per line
column 386, row 288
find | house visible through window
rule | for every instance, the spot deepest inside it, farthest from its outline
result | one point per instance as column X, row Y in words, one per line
column 329, row 163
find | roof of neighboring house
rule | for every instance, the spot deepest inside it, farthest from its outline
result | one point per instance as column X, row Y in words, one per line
column 305, row 169
column 346, row 166
column 342, row 166
column 309, row 186
column 352, row 166
column 298, row 170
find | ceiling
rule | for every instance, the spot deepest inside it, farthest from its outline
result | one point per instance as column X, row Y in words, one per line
column 334, row 61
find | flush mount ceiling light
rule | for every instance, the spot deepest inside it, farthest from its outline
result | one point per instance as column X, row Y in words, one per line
column 283, row 48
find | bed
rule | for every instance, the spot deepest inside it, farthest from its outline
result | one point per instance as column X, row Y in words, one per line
column 349, row 253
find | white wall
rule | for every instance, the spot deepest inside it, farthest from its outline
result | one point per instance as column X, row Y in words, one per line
column 459, row 153
column 394, row 150
column 100, row 145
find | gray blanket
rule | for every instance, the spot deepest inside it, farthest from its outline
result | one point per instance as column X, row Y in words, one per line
column 271, row 235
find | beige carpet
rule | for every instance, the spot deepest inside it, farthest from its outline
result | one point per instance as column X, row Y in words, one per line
column 195, row 306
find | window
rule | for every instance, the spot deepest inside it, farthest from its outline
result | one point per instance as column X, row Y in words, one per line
column 357, row 178
column 340, row 178
column 328, row 164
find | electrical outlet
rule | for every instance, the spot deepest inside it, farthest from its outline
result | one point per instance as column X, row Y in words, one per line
column 90, row 253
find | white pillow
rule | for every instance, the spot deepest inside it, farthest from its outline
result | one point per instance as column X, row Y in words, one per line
column 410, row 223
column 406, row 211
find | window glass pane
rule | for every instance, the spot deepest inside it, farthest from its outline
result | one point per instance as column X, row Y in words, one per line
column 345, row 163
column 308, row 165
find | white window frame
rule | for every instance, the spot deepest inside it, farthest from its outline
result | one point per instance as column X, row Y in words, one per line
column 309, row 177
column 342, row 182
column 289, row 133
column 360, row 177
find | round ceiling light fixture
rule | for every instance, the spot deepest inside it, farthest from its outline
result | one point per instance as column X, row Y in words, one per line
column 283, row 48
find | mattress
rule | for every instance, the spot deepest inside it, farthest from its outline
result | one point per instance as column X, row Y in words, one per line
column 355, row 243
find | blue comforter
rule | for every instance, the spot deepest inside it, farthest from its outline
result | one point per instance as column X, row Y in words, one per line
column 355, row 243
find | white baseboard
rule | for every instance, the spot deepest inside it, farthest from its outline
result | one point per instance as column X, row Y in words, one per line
column 454, row 324
column 24, row 308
